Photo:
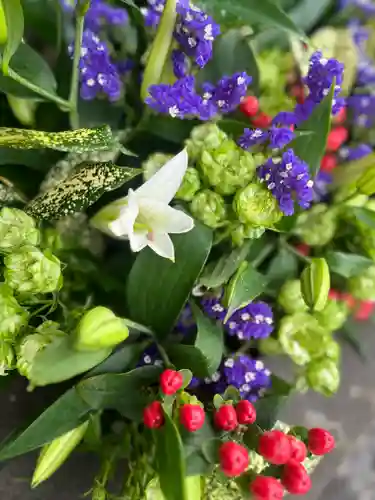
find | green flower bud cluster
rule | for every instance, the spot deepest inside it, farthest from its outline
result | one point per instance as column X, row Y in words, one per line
column 190, row 185
column 154, row 163
column 207, row 136
column 12, row 316
column 209, row 207
column 16, row 229
column 317, row 226
column 254, row 204
column 362, row 286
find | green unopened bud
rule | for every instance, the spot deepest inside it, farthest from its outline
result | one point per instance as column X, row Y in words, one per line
column 290, row 297
column 317, row 226
column 227, row 168
column 209, row 207
column 54, row 454
column 366, row 183
column 362, row 286
column 29, row 270
column 23, row 109
column 16, row 229
column 241, row 232
column 191, row 183
column 334, row 315
column 204, row 137
column 7, row 358
column 100, row 328
column 315, row 284
column 12, row 316
column 323, row 376
column 154, row 163
column 255, row 205
column 303, row 338
column 30, row 345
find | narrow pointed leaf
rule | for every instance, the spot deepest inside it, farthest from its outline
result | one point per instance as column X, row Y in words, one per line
column 80, row 190
column 15, row 25
column 347, row 264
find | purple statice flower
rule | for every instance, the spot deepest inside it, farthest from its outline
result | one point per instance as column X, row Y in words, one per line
column 285, row 118
column 252, row 137
column 362, row 108
column 186, row 322
column 99, row 14
column 97, row 72
column 153, row 12
column 280, row 137
column 150, row 356
column 124, row 67
column 212, row 306
column 321, row 186
column 181, row 100
column 289, row 181
column 252, row 321
column 355, row 153
column 365, row 72
column 195, row 32
column 248, row 375
column 180, row 64
column 367, row 6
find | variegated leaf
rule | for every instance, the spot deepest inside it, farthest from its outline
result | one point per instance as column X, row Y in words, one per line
column 79, row 190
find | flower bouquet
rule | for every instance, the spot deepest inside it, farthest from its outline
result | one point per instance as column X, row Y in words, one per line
column 186, row 191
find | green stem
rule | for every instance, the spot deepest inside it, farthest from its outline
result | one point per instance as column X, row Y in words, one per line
column 74, row 83
column 164, row 355
column 64, row 105
column 294, row 251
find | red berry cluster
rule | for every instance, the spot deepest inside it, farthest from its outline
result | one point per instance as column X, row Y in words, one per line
column 228, row 417
column 192, row 416
column 250, row 107
column 361, row 309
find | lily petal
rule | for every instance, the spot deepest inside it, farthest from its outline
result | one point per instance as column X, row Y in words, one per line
column 162, row 218
column 123, row 225
column 165, row 183
column 162, row 244
column 138, row 241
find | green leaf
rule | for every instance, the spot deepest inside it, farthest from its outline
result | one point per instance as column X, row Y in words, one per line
column 157, row 288
column 120, row 391
column 347, row 264
column 233, row 128
column 210, row 450
column 62, row 416
column 349, row 334
column 251, row 436
column 218, row 273
column 59, row 361
column 170, row 462
column 121, row 360
column 189, row 357
column 223, row 63
column 209, row 340
column 15, row 25
column 72, row 141
column 244, row 288
column 249, row 12
column 311, row 148
column 31, row 66
column 268, row 407
column 170, row 129
column 80, row 190
column 365, row 215
column 283, row 266
column 196, row 464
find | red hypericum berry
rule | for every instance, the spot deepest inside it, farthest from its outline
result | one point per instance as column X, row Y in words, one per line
column 246, row 413
column 262, row 120
column 364, row 310
column 303, row 249
column 298, row 92
column 328, row 163
column 348, row 299
column 266, row 488
column 275, row 447
column 340, row 117
column 320, row 441
column 336, row 138
column 170, row 381
column 153, row 415
column 250, row 106
column 333, row 294
column 295, row 478
column 226, row 418
column 192, row 417
column 234, row 459
column 299, row 450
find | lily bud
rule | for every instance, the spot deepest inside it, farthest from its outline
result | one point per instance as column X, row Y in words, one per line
column 366, row 183
column 12, row 316
column 209, row 207
column 191, row 183
column 16, row 229
column 255, row 205
column 315, row 284
column 290, row 297
column 23, row 109
column 100, row 328
column 54, row 454
column 29, row 270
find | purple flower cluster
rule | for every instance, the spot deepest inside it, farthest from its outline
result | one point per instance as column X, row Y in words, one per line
column 362, row 108
column 289, row 181
column 278, row 137
column 181, row 99
column 355, row 153
column 367, row 6
column 255, row 320
column 321, row 186
column 100, row 14
column 366, row 66
column 97, row 72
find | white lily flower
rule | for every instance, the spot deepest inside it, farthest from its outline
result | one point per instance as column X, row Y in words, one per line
column 144, row 217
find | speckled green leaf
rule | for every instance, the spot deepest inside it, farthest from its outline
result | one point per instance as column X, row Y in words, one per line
column 80, row 190
column 76, row 141
column 15, row 25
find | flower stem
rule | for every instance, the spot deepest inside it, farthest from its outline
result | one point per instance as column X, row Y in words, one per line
column 62, row 103
column 164, row 355
column 294, row 251
column 73, row 95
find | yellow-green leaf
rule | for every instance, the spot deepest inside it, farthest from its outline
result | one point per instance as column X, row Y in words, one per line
column 76, row 141
column 15, row 25
column 79, row 190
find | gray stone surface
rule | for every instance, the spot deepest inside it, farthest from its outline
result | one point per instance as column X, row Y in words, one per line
column 347, row 474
